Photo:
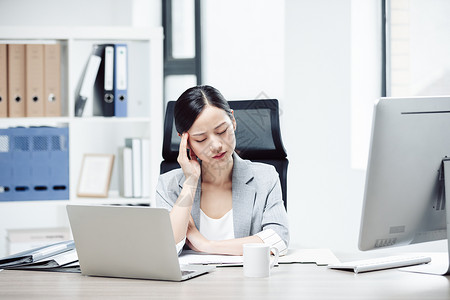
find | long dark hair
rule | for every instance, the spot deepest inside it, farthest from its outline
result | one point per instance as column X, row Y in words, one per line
column 192, row 102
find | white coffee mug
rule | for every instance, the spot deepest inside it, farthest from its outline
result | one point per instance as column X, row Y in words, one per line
column 257, row 261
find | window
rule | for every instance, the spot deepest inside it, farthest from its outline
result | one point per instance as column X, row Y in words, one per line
column 417, row 47
column 182, row 46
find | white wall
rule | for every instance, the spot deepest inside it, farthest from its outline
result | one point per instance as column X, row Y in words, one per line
column 325, row 193
column 243, row 47
column 80, row 13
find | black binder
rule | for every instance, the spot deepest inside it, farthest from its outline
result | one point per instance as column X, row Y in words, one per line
column 104, row 83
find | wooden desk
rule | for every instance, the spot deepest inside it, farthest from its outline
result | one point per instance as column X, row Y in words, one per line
column 295, row 281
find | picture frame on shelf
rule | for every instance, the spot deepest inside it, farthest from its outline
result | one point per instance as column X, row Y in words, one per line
column 95, row 175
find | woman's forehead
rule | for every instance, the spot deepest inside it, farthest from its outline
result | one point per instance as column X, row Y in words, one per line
column 210, row 118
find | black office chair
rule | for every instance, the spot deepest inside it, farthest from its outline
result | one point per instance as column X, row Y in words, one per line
column 258, row 137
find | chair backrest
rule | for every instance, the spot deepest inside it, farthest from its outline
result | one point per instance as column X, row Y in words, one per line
column 258, row 136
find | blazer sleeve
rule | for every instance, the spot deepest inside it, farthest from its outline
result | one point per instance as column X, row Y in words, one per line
column 167, row 191
column 275, row 219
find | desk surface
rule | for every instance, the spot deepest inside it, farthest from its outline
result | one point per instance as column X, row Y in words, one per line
column 306, row 281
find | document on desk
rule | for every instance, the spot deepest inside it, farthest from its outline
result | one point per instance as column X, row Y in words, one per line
column 190, row 257
column 321, row 257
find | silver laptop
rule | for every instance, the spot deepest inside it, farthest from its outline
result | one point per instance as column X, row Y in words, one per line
column 129, row 242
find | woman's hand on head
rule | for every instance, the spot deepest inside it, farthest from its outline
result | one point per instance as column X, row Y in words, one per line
column 190, row 165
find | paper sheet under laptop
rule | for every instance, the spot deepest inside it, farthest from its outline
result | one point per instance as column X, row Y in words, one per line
column 320, row 257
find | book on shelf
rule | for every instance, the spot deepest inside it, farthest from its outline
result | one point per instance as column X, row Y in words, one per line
column 135, row 170
column 135, row 145
column 126, row 172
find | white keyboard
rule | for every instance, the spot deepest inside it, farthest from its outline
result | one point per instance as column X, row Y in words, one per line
column 382, row 263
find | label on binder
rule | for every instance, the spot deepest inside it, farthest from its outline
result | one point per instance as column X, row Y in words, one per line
column 109, row 68
column 121, row 68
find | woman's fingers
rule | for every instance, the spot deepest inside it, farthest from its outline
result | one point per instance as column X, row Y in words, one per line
column 182, row 154
column 192, row 154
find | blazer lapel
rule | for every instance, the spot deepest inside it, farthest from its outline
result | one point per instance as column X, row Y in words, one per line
column 243, row 197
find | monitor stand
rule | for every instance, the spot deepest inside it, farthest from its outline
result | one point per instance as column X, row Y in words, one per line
column 440, row 263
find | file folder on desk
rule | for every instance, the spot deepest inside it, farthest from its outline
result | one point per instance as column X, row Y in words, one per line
column 3, row 81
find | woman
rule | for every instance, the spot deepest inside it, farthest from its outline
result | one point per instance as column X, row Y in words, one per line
column 217, row 201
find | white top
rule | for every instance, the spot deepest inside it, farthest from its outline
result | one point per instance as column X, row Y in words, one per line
column 217, row 229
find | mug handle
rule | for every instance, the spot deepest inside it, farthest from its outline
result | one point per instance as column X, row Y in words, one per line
column 275, row 259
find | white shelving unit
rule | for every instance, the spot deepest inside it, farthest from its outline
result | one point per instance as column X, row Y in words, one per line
column 94, row 134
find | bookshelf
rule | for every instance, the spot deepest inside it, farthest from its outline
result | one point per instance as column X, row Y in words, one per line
column 95, row 134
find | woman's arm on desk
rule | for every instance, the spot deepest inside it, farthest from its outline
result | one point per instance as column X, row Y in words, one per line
column 196, row 241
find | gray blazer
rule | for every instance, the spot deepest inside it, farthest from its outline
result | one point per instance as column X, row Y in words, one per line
column 256, row 193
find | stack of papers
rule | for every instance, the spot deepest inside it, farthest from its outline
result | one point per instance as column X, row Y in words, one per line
column 58, row 257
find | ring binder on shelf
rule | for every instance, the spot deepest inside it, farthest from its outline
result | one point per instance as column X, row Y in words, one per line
column 52, row 80
column 104, row 83
column 37, row 162
column 34, row 80
column 111, row 85
column 3, row 81
column 16, row 80
column 121, row 80
column 87, row 84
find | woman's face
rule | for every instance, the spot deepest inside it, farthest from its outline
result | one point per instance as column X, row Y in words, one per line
column 211, row 137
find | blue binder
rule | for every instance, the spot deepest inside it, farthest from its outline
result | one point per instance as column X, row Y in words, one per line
column 59, row 163
column 5, row 166
column 37, row 162
column 21, row 163
column 120, row 80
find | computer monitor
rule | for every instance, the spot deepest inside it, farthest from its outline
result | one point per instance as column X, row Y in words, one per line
column 404, row 198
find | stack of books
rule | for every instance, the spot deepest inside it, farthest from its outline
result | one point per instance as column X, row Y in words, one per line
column 135, row 168
column 58, row 257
